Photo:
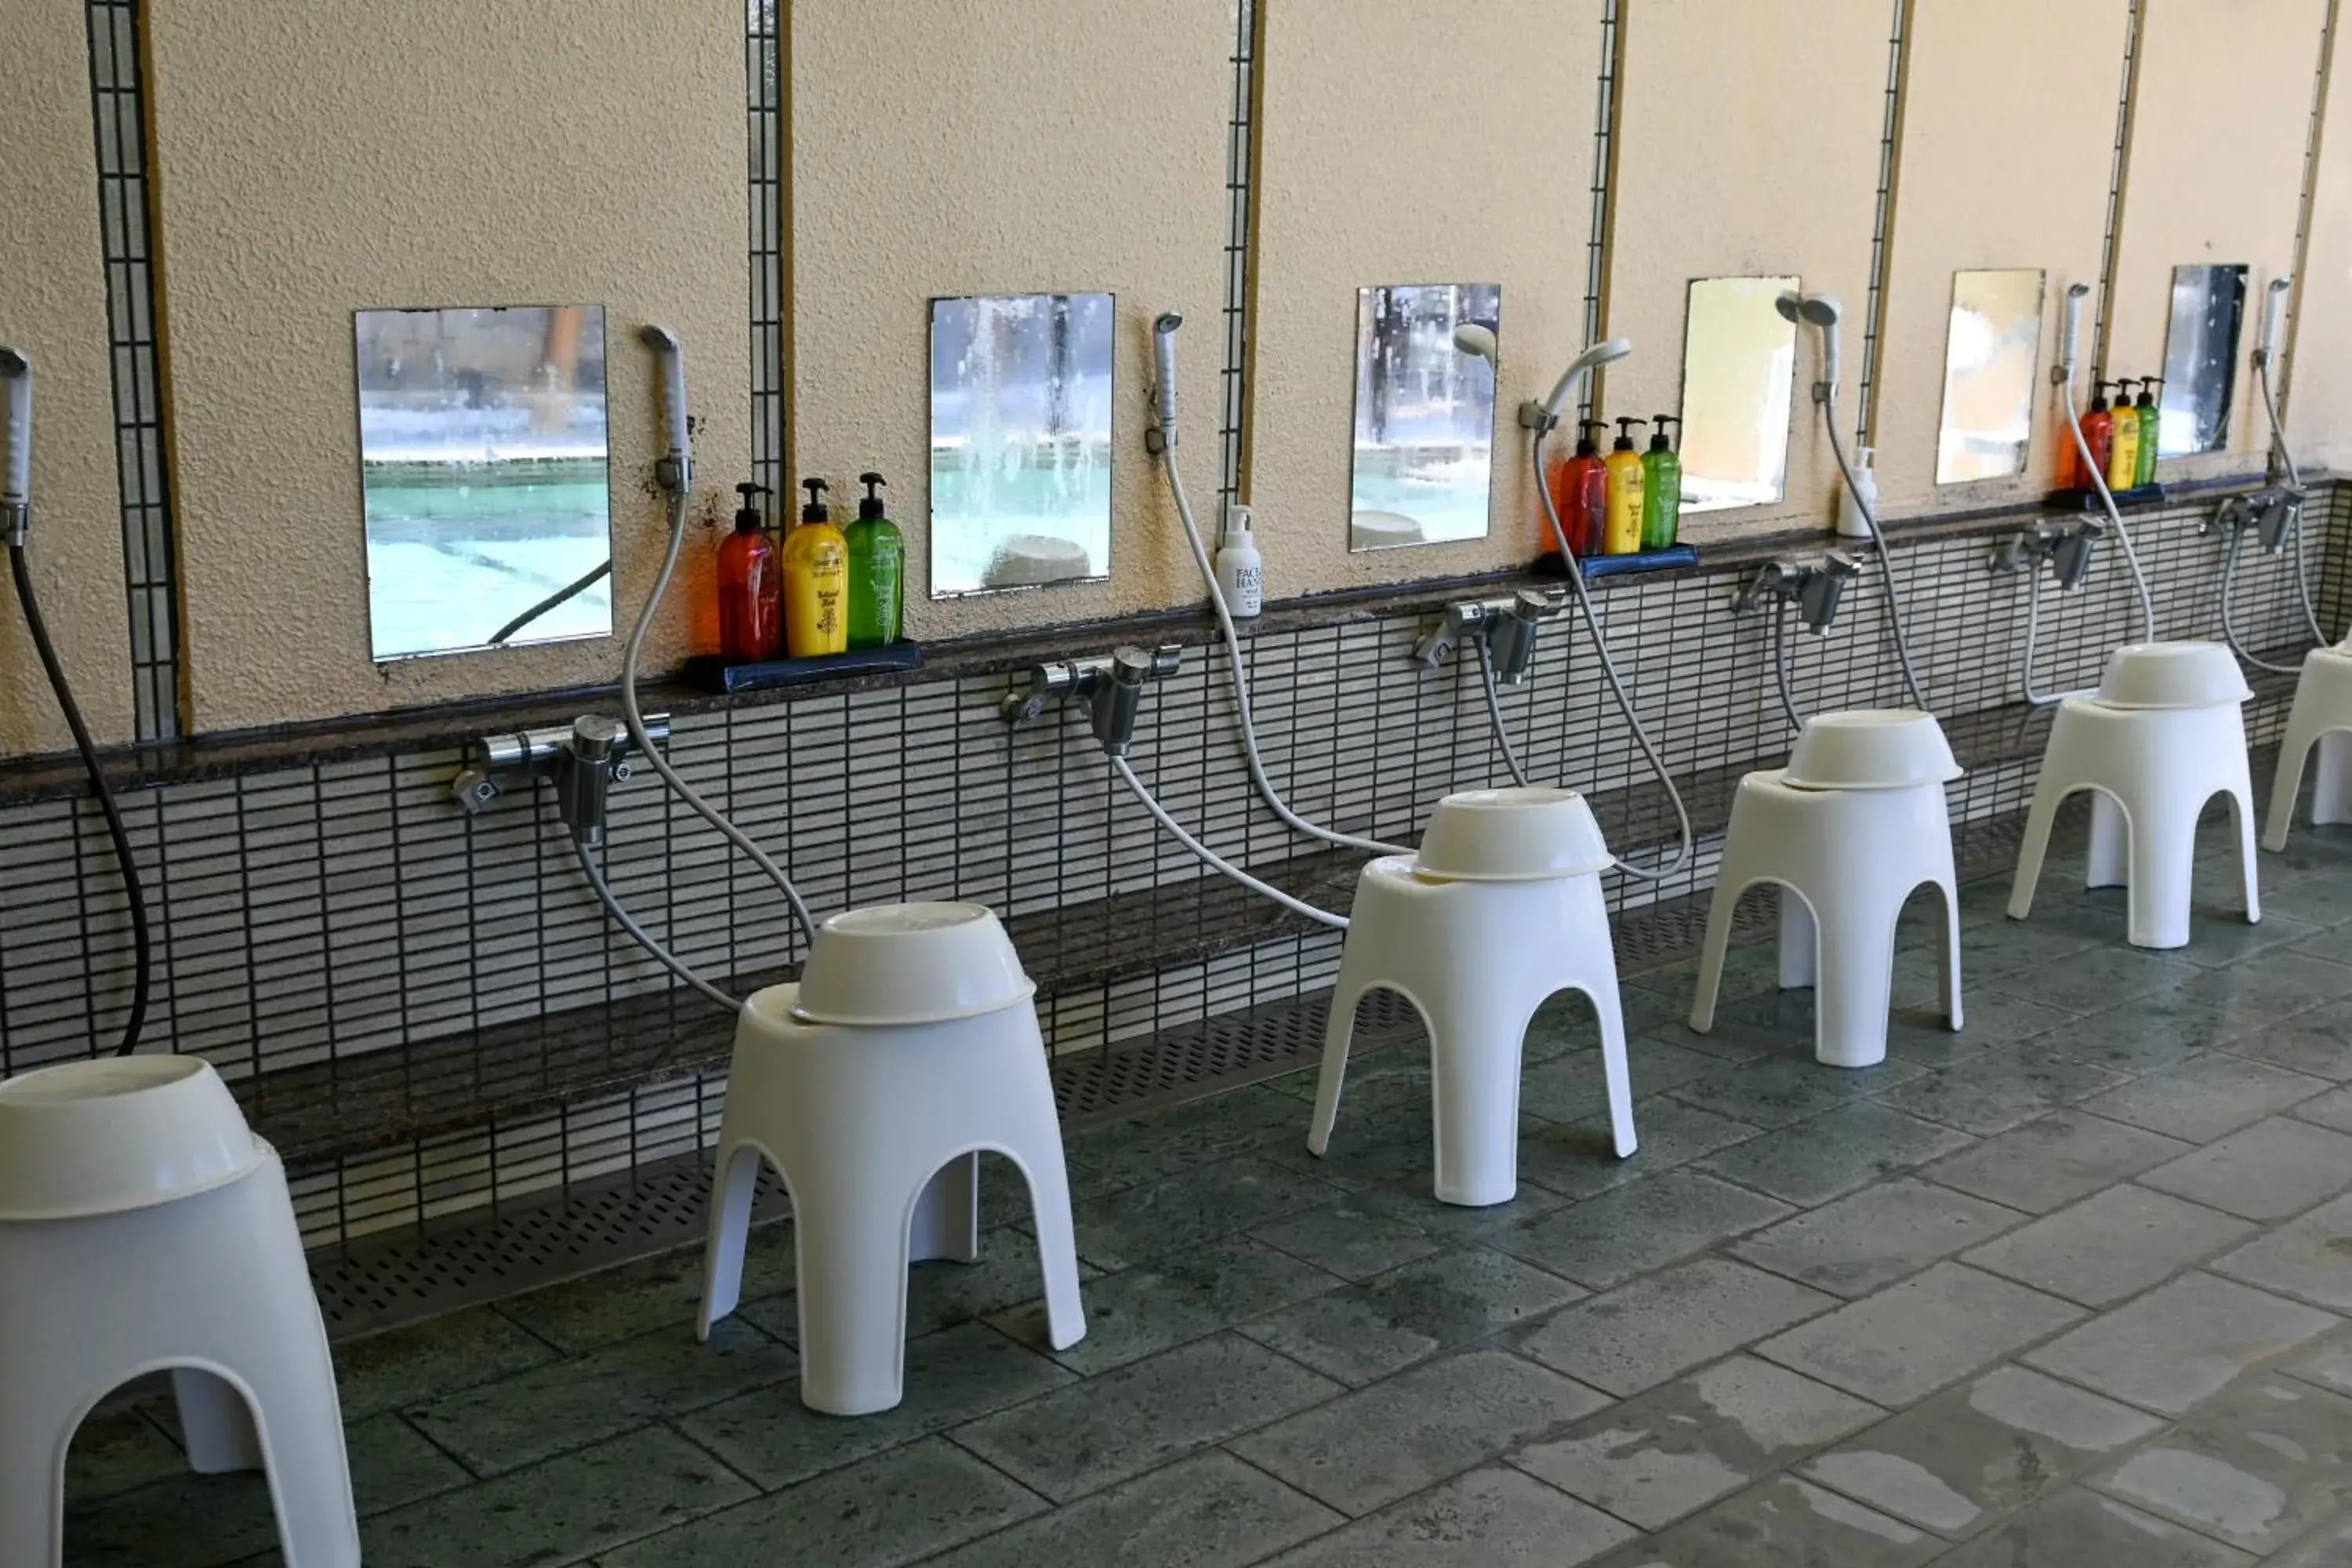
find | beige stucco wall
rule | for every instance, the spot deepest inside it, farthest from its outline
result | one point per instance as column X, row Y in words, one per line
column 2317, row 385
column 317, row 158
column 2220, row 118
column 1022, row 146
column 2019, row 185
column 53, row 308
column 1468, row 169
column 1750, row 134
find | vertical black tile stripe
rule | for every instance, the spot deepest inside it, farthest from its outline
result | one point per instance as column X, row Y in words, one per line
column 126, row 233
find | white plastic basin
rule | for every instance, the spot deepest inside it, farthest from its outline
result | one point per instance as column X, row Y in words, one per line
column 97, row 1137
column 911, row 964
column 2173, row 675
column 1871, row 748
column 1512, row 835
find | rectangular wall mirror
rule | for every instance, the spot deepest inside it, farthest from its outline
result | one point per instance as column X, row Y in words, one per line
column 1739, row 366
column 1422, row 471
column 483, row 478
column 1990, row 354
column 1021, row 389
column 2200, row 359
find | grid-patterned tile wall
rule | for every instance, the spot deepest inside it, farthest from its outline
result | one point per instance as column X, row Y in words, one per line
column 324, row 912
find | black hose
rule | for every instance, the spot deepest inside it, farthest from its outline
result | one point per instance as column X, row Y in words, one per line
column 577, row 585
column 142, row 943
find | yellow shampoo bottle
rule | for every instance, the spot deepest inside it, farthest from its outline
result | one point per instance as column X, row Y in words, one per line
column 817, row 581
column 1623, row 535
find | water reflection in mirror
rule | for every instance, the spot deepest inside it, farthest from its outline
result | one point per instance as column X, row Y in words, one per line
column 2200, row 359
column 1021, row 458
column 1739, row 361
column 483, row 476
column 1990, row 354
column 1424, row 430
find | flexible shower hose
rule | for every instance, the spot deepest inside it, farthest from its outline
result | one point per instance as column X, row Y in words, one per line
column 1616, row 682
column 127, row 864
column 1241, row 679
column 1895, row 617
column 1217, row 862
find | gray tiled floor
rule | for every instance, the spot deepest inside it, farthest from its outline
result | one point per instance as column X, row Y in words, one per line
column 2072, row 1286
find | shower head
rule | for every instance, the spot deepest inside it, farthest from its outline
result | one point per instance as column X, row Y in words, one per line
column 15, row 440
column 679, row 464
column 1163, row 357
column 1477, row 340
column 1820, row 310
column 1582, row 365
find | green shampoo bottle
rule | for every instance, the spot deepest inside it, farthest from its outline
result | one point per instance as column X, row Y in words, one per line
column 877, row 571
column 1662, row 487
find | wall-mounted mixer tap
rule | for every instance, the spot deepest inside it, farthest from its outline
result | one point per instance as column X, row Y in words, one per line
column 583, row 759
column 1815, row 587
column 1112, row 684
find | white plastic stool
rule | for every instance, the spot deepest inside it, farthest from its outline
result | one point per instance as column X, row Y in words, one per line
column 1844, row 861
column 876, row 1130
column 2150, row 772
column 143, row 1228
column 1477, row 958
column 2321, row 716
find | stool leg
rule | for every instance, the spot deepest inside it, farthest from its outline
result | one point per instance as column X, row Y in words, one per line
column 1711, row 958
column 2163, row 856
column 2031, row 849
column 2110, row 857
column 2331, row 791
column 733, row 1186
column 216, row 1423
column 1337, row 1031
column 1476, row 1042
column 1856, row 985
column 852, row 1239
column 947, row 1216
column 1801, row 958
column 2287, row 782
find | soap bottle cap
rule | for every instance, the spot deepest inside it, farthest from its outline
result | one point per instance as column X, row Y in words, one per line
column 1237, row 525
column 1624, row 442
column 1658, row 442
column 870, row 506
column 1586, row 446
column 747, row 516
column 814, row 511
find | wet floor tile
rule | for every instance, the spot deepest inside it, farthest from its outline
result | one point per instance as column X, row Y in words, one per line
column 2259, row 1467
column 2112, row 1245
column 1210, row 1511
column 2051, row 1162
column 891, row 1510
column 2310, row 1257
column 950, row 1377
column 1678, row 1447
column 1636, row 1227
column 2181, row 1343
column 2206, row 1098
column 1183, row 1296
column 2082, row 1527
column 1106, row 1429
column 1834, row 1153
column 1783, row 1524
column 1490, row 1518
column 2276, row 1167
column 1974, row 1455
column 1387, row 1441
column 1911, row 1338
column 1876, row 1237
column 1386, row 1324
column 1643, row 1334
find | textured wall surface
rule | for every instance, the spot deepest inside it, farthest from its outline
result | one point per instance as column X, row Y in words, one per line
column 53, row 308
column 2319, row 386
column 2026, row 188
column 1006, row 148
column 318, row 159
column 2220, row 121
column 1749, row 147
column 1468, row 171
